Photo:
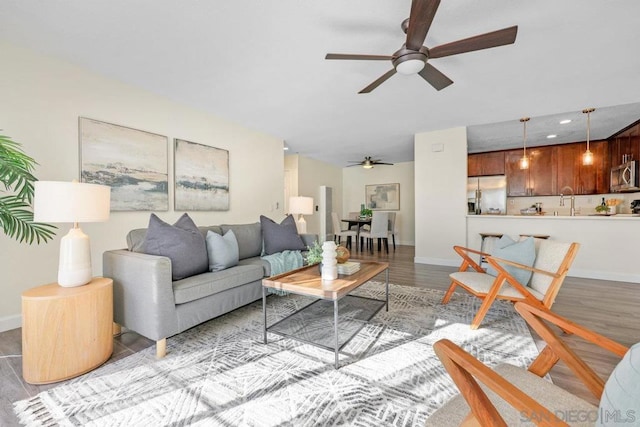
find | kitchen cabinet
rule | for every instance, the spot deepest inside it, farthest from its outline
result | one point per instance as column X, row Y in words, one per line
column 583, row 179
column 627, row 142
column 541, row 177
column 485, row 164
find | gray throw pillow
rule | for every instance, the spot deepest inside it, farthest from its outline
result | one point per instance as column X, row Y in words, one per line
column 249, row 237
column 523, row 252
column 620, row 402
column 222, row 250
column 181, row 242
column 280, row 237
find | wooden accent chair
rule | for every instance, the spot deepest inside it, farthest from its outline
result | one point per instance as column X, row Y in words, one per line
column 514, row 396
column 551, row 265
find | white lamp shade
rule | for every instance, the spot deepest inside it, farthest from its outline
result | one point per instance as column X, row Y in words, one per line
column 57, row 201
column 301, row 205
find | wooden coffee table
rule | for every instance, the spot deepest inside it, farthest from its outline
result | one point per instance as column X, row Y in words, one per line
column 307, row 281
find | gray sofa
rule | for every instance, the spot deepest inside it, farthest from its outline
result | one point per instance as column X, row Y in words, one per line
column 147, row 301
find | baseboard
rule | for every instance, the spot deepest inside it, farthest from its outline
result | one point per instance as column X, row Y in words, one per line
column 437, row 261
column 604, row 275
column 585, row 274
column 10, row 322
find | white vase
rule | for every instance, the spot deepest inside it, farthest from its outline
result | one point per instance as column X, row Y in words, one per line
column 329, row 269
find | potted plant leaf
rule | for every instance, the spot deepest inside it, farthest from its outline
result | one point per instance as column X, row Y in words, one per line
column 16, row 217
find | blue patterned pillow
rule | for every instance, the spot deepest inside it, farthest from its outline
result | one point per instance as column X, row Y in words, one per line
column 523, row 252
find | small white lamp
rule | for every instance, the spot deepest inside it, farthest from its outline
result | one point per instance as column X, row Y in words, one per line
column 74, row 202
column 302, row 206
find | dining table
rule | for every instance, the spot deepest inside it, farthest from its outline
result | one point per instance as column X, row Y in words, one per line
column 357, row 221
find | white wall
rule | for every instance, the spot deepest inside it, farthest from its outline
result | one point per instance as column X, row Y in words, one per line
column 41, row 100
column 356, row 178
column 440, row 195
column 311, row 175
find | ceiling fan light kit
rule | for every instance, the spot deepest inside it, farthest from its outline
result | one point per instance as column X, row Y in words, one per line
column 413, row 57
column 368, row 162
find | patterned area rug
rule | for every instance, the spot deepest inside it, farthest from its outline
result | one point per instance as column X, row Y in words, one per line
column 220, row 373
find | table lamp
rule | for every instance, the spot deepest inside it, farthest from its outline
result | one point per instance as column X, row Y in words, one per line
column 74, row 202
column 302, row 206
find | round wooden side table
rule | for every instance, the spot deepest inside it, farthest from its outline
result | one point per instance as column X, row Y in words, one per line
column 66, row 332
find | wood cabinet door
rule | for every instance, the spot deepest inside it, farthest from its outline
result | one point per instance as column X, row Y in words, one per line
column 543, row 174
column 473, row 165
column 567, row 155
column 634, row 143
column 492, row 163
column 483, row 164
column 602, row 164
column 517, row 179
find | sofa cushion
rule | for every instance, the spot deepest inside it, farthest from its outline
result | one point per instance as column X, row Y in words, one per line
column 182, row 243
column 205, row 229
column 222, row 250
column 523, row 252
column 249, row 238
column 135, row 239
column 203, row 285
column 256, row 260
column 280, row 237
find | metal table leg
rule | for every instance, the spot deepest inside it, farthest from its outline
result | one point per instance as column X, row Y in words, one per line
column 264, row 311
column 387, row 287
column 335, row 324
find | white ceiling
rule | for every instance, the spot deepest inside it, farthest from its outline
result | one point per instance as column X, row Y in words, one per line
column 261, row 63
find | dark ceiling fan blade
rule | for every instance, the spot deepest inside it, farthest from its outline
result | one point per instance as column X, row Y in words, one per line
column 379, row 81
column 382, row 163
column 359, row 164
column 420, row 19
column 358, row 57
column 434, row 77
column 479, row 42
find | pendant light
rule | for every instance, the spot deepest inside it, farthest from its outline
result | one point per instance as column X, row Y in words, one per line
column 587, row 157
column 524, row 161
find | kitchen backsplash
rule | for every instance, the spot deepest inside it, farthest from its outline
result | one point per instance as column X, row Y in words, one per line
column 584, row 205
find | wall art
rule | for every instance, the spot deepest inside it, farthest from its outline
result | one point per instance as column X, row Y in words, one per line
column 383, row 197
column 132, row 162
column 201, row 177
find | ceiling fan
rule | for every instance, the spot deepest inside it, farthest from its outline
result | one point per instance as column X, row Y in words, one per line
column 413, row 57
column 368, row 162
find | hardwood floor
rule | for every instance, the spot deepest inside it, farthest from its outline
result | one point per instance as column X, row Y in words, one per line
column 607, row 307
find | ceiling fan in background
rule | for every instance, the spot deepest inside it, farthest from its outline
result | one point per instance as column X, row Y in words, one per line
column 368, row 162
column 413, row 57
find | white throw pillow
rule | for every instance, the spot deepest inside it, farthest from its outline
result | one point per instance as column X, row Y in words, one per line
column 222, row 250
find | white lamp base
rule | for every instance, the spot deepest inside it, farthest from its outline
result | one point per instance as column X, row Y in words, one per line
column 74, row 268
column 302, row 225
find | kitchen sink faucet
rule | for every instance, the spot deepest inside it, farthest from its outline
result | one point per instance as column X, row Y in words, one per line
column 572, row 211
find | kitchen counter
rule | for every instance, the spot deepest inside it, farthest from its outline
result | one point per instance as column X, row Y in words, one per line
column 608, row 247
column 547, row 216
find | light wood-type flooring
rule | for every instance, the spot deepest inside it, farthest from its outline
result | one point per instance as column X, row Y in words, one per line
column 610, row 308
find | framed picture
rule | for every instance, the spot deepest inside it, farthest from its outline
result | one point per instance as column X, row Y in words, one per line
column 383, row 197
column 201, row 177
column 132, row 162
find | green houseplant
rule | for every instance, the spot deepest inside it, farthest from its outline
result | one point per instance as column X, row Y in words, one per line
column 314, row 256
column 364, row 212
column 16, row 217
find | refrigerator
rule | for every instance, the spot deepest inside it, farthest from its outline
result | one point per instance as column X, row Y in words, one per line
column 490, row 192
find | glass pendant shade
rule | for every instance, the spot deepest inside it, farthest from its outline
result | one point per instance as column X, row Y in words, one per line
column 587, row 157
column 524, row 160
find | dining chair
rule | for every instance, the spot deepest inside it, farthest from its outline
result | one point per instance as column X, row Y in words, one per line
column 354, row 215
column 537, row 283
column 392, row 228
column 338, row 232
column 513, row 396
column 379, row 230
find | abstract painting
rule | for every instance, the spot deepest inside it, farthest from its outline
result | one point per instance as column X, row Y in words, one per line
column 132, row 162
column 382, row 197
column 201, row 177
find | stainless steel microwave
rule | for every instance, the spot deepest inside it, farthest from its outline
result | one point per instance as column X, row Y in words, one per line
column 625, row 177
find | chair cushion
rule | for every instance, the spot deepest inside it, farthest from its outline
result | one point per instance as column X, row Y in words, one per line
column 181, row 242
column 550, row 256
column 203, row 285
column 249, row 237
column 280, row 237
column 523, row 252
column 481, row 283
column 621, row 397
column 563, row 404
column 222, row 250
